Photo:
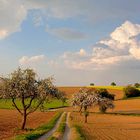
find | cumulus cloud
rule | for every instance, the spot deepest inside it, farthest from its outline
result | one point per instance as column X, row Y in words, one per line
column 135, row 52
column 125, row 32
column 123, row 39
column 25, row 60
column 121, row 46
column 67, row 33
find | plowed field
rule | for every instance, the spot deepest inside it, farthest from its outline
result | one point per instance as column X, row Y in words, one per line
column 10, row 120
column 109, row 127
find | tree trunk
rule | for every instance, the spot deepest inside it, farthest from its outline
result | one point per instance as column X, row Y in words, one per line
column 80, row 110
column 24, row 120
column 85, row 119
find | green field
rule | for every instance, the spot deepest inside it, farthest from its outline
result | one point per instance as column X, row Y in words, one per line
column 7, row 104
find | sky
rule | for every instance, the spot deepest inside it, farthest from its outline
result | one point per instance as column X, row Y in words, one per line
column 78, row 42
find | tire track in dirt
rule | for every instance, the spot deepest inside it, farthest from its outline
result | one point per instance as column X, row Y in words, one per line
column 47, row 135
column 67, row 132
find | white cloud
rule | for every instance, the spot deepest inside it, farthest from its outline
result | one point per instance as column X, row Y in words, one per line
column 12, row 14
column 67, row 33
column 135, row 52
column 82, row 52
column 125, row 32
column 75, row 55
column 3, row 33
column 25, row 60
column 123, row 45
column 123, row 39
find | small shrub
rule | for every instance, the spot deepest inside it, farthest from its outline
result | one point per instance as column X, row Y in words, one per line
column 137, row 85
column 113, row 84
column 91, row 84
column 131, row 91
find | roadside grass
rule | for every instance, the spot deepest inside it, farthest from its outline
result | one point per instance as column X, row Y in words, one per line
column 80, row 134
column 76, row 128
column 41, row 130
column 125, row 114
column 131, row 98
column 116, row 113
column 58, row 134
column 55, row 103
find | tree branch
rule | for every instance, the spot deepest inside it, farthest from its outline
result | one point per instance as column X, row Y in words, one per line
column 30, row 103
column 35, row 107
column 23, row 101
column 14, row 104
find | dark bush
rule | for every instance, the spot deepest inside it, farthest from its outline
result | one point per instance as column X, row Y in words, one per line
column 131, row 91
column 137, row 85
column 91, row 84
column 113, row 84
column 105, row 94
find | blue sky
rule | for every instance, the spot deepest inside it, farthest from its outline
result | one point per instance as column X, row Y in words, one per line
column 77, row 41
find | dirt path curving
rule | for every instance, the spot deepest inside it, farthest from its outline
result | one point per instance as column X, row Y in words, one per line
column 67, row 132
column 47, row 135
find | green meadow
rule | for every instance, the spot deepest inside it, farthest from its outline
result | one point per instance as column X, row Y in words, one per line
column 7, row 104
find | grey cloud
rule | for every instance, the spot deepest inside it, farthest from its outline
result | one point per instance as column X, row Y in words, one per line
column 91, row 10
column 67, row 33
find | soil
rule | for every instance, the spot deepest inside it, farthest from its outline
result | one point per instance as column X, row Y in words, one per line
column 10, row 121
column 109, row 127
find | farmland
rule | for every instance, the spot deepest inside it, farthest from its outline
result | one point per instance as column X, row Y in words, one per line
column 123, row 122
column 108, row 127
column 10, row 122
column 114, row 90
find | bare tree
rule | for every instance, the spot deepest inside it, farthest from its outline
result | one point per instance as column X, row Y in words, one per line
column 22, row 85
